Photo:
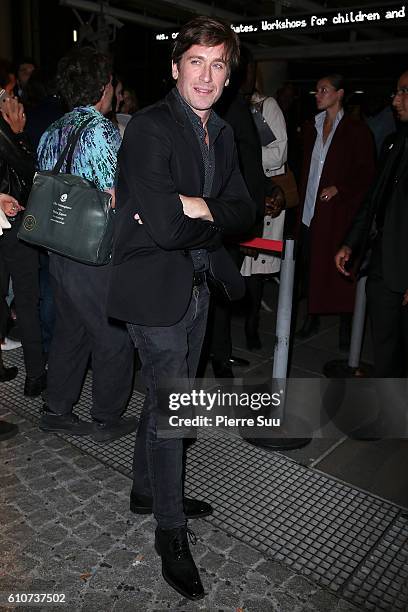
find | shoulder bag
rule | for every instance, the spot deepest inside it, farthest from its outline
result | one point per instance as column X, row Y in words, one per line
column 265, row 132
column 67, row 215
column 287, row 183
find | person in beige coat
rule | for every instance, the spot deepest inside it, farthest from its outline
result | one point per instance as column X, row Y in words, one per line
column 257, row 268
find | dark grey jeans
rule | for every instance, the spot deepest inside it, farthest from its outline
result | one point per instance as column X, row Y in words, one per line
column 166, row 353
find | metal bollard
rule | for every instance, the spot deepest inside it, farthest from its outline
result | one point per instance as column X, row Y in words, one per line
column 288, row 436
column 284, row 314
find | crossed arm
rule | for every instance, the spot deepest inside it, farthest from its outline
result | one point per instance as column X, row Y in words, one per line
column 195, row 208
column 173, row 220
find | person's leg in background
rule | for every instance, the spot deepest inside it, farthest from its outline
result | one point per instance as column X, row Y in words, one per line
column 220, row 336
column 389, row 328
column 82, row 330
column 21, row 261
column 386, row 311
column 346, row 320
column 7, row 343
column 311, row 323
column 254, row 285
column 219, row 328
column 70, row 349
column 4, row 309
column 47, row 305
column 6, row 373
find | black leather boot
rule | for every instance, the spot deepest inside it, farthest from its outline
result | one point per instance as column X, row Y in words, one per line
column 7, row 374
column 178, row 567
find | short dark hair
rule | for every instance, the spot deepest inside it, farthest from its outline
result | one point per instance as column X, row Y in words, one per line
column 208, row 32
column 336, row 80
column 82, row 75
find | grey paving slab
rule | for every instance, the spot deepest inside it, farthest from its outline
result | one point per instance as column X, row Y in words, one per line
column 312, row 359
column 268, row 340
column 374, row 466
column 310, row 454
column 303, row 372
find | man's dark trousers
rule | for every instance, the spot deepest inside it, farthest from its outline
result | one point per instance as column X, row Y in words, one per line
column 166, row 353
column 81, row 329
column 389, row 322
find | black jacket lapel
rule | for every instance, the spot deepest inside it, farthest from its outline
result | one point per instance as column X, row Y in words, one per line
column 191, row 142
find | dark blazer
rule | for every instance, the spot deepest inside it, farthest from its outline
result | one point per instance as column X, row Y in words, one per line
column 160, row 157
column 17, row 163
column 394, row 238
column 350, row 166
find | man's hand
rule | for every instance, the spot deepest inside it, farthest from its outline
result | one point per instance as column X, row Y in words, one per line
column 13, row 112
column 328, row 193
column 341, row 258
column 275, row 203
column 195, row 208
column 405, row 299
column 9, row 205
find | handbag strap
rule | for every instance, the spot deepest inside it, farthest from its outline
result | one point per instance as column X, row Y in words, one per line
column 69, row 148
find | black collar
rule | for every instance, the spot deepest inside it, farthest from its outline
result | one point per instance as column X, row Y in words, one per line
column 179, row 112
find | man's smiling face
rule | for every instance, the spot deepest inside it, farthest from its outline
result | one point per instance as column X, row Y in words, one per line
column 201, row 76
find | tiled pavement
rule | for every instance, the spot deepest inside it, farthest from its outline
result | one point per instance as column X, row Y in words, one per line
column 66, row 529
column 66, row 526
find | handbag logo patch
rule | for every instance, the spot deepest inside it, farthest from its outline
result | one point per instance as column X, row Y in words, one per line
column 63, row 197
column 29, row 223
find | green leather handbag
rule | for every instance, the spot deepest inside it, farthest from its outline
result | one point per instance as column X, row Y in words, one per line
column 66, row 214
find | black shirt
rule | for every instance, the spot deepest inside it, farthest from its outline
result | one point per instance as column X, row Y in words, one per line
column 214, row 125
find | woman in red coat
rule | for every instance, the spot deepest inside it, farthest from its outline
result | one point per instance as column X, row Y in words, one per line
column 338, row 167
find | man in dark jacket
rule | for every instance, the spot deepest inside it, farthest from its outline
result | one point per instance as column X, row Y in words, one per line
column 387, row 284
column 179, row 189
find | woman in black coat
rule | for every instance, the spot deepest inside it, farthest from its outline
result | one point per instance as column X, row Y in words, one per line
column 20, row 261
